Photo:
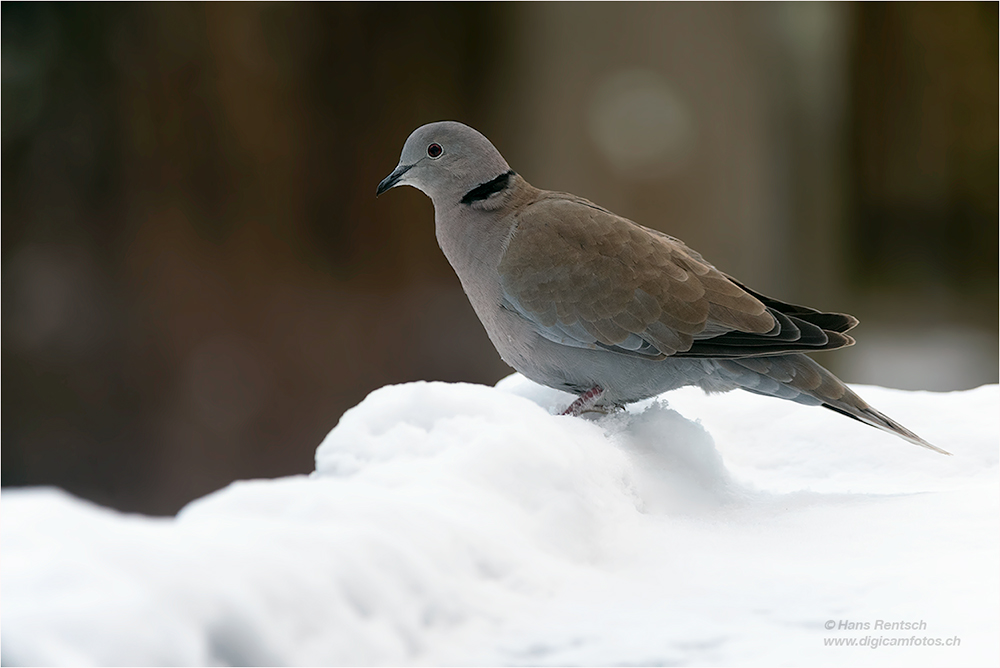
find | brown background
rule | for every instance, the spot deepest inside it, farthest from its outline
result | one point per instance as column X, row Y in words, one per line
column 198, row 280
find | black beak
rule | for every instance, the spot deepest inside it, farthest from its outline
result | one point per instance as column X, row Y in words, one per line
column 392, row 179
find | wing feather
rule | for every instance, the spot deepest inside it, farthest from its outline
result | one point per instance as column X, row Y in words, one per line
column 585, row 277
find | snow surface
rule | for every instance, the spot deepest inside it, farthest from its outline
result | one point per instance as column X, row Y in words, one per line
column 462, row 524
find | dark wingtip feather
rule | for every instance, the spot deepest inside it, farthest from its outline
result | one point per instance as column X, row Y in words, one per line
column 834, row 322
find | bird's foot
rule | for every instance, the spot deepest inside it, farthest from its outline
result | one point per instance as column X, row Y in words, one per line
column 585, row 402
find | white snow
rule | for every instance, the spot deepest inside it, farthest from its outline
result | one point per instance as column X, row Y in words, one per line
column 462, row 524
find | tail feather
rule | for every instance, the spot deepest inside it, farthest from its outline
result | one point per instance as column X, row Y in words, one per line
column 874, row 418
column 810, row 383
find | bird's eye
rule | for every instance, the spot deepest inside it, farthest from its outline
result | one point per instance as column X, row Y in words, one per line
column 434, row 151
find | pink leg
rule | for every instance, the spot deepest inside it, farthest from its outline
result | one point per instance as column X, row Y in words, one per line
column 585, row 401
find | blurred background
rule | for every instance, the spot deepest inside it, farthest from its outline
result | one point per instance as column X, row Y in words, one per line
column 198, row 280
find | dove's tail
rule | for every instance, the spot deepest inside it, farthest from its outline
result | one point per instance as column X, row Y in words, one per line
column 801, row 379
column 862, row 412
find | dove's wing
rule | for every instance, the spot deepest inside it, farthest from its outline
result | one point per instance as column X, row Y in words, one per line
column 587, row 278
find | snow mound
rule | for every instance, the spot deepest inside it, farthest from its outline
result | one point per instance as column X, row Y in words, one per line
column 463, row 524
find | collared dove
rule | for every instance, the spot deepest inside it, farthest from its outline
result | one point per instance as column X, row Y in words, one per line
column 577, row 298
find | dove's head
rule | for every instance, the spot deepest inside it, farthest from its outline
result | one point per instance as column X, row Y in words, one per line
column 446, row 161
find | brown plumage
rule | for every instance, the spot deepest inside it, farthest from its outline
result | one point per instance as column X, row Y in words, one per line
column 580, row 299
column 572, row 262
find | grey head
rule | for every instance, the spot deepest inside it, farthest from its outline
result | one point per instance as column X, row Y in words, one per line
column 447, row 161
